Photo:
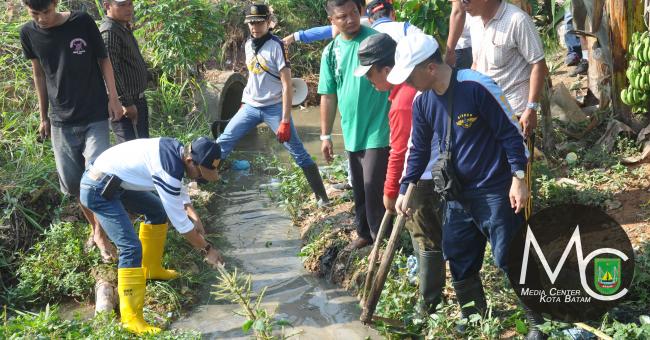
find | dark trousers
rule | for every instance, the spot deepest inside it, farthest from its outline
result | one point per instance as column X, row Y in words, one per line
column 481, row 215
column 123, row 128
column 368, row 169
column 464, row 58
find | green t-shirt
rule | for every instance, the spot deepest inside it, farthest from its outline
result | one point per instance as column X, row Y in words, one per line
column 364, row 110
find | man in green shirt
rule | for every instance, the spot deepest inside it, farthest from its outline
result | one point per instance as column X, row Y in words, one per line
column 364, row 117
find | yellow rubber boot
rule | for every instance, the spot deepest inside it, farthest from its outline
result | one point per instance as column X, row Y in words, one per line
column 130, row 288
column 153, row 238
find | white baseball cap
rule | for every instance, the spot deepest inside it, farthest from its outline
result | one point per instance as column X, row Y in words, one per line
column 411, row 50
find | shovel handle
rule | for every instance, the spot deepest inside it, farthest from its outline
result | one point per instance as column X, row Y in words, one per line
column 386, row 260
column 372, row 262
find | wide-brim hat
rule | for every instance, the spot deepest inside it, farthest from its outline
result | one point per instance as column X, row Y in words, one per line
column 300, row 91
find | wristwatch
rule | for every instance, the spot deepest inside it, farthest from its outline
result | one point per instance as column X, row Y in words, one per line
column 519, row 174
column 325, row 137
column 534, row 106
column 204, row 251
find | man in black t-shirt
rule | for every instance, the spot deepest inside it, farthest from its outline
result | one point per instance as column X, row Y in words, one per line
column 70, row 67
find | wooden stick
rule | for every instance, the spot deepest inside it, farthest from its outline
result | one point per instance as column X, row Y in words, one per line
column 598, row 333
column 386, row 260
column 373, row 255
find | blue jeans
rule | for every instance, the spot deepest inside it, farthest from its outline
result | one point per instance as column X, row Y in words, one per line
column 571, row 40
column 112, row 215
column 248, row 117
column 479, row 216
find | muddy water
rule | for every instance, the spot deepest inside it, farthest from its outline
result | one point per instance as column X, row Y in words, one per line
column 265, row 245
column 307, row 121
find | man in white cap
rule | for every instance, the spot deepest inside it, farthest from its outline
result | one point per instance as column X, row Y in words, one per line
column 376, row 59
column 467, row 116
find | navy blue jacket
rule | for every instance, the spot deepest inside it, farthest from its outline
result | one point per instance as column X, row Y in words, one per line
column 487, row 144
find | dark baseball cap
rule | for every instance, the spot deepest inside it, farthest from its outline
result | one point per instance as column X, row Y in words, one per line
column 257, row 13
column 375, row 48
column 207, row 154
column 376, row 5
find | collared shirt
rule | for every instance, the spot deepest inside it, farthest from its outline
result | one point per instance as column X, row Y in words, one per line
column 128, row 65
column 505, row 49
column 151, row 164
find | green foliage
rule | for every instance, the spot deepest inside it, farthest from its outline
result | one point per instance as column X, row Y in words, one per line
column 294, row 189
column 399, row 297
column 48, row 324
column 237, row 289
column 179, row 35
column 315, row 245
column 432, row 16
column 57, row 266
column 295, row 15
column 550, row 193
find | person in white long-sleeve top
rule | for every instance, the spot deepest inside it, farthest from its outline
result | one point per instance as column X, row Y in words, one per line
column 124, row 178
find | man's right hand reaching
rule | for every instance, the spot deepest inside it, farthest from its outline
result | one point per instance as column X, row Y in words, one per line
column 214, row 258
column 328, row 150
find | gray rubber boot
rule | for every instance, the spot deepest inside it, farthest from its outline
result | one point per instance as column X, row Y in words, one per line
column 316, row 183
column 432, row 281
column 534, row 320
column 468, row 290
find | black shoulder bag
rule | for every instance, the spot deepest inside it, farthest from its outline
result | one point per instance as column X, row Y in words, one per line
column 445, row 181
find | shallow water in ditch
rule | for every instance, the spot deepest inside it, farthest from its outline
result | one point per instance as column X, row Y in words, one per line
column 265, row 245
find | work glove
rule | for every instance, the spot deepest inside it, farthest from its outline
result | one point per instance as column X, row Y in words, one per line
column 284, row 132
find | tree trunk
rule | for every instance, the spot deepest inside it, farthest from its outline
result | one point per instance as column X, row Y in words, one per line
column 625, row 17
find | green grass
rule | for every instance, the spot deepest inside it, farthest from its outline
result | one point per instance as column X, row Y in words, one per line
column 49, row 324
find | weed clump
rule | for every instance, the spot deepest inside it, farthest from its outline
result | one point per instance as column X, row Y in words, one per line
column 57, row 266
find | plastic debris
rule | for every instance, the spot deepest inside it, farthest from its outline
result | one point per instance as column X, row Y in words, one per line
column 241, row 164
column 412, row 266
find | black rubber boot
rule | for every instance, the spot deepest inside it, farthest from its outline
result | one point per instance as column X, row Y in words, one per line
column 316, row 183
column 468, row 290
column 534, row 320
column 432, row 281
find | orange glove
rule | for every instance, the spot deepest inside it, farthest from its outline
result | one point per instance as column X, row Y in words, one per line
column 284, row 132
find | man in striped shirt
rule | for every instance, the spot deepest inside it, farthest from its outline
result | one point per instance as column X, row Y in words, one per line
column 130, row 70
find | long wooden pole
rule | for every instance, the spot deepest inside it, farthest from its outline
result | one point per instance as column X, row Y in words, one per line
column 386, row 260
column 372, row 262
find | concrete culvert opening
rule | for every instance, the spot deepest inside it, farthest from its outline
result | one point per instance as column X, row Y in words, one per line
column 222, row 94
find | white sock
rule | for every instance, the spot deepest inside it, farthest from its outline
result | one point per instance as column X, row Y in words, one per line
column 585, row 54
